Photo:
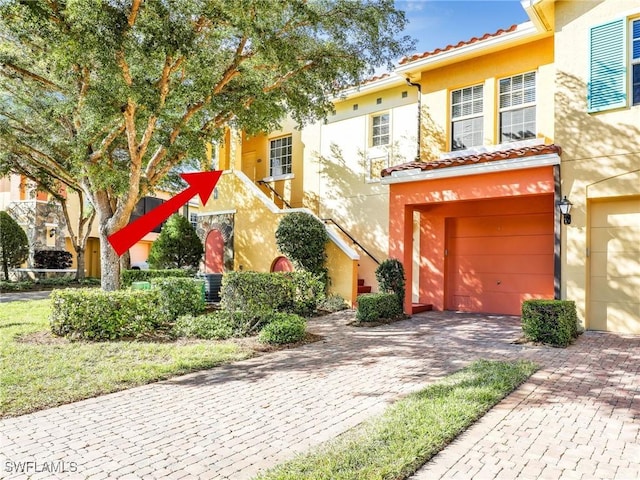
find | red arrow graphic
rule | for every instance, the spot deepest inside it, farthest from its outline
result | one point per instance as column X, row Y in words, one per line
column 200, row 183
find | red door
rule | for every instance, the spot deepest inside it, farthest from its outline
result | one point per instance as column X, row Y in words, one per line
column 214, row 252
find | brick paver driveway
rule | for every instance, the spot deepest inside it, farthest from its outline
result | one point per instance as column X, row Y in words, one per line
column 578, row 417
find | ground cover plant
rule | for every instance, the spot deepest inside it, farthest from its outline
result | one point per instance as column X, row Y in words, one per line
column 412, row 430
column 40, row 371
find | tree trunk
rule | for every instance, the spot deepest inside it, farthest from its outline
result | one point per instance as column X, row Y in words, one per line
column 125, row 261
column 109, row 264
column 80, row 274
column 5, row 269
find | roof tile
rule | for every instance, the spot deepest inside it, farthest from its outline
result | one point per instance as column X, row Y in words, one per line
column 509, row 154
column 486, row 36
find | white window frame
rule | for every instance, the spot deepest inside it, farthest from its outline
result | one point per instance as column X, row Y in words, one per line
column 471, row 116
column 280, row 163
column 377, row 140
column 633, row 61
column 520, row 106
column 193, row 220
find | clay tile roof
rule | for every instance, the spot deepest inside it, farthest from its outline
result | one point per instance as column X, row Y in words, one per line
column 375, row 79
column 486, row 36
column 513, row 153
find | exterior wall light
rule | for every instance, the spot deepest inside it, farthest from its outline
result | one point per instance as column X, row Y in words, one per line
column 565, row 207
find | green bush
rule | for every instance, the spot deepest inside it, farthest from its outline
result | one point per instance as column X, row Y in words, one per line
column 55, row 259
column 177, row 246
column 257, row 293
column 378, row 306
column 179, row 296
column 14, row 245
column 308, row 292
column 218, row 325
column 127, row 277
column 390, row 277
column 93, row 314
column 302, row 238
column 333, row 303
column 283, row 328
column 553, row 322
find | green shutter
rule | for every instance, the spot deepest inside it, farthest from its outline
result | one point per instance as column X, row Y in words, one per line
column 607, row 67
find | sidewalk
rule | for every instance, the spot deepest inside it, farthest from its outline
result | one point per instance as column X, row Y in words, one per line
column 578, row 416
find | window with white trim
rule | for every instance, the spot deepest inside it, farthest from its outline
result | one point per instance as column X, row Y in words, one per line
column 635, row 62
column 518, row 107
column 280, row 155
column 380, row 130
column 466, row 117
column 193, row 219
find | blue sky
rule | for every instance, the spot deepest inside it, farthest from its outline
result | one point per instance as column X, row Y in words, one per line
column 438, row 23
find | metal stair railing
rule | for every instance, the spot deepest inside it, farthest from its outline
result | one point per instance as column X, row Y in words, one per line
column 275, row 192
column 356, row 242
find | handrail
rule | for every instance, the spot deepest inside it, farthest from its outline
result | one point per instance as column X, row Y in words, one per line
column 275, row 192
column 327, row 220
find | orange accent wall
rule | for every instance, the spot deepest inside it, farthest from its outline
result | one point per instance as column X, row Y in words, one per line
column 480, row 237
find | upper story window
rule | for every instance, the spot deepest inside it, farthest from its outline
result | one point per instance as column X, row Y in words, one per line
column 611, row 56
column 518, row 107
column 380, row 130
column 193, row 219
column 280, row 156
column 466, row 117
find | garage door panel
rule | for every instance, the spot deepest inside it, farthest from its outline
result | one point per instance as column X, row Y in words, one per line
column 615, row 317
column 625, row 289
column 501, row 226
column 615, row 264
column 614, row 293
column 522, row 264
column 616, row 214
column 483, row 283
column 497, row 246
column 495, row 262
column 618, row 239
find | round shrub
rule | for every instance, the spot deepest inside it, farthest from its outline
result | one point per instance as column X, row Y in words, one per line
column 283, row 328
column 302, row 238
column 333, row 303
column 14, row 245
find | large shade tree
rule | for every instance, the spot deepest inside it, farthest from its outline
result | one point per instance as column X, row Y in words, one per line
column 109, row 96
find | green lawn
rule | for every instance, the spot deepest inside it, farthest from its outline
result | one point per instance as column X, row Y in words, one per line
column 412, row 430
column 46, row 371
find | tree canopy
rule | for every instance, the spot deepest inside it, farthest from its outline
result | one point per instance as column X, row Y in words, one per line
column 108, row 96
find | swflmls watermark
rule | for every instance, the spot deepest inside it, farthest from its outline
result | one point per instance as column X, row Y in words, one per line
column 32, row 466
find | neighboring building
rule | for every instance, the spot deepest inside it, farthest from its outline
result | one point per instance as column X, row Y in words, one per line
column 42, row 219
column 597, row 114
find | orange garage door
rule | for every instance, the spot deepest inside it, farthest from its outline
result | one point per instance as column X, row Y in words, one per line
column 496, row 262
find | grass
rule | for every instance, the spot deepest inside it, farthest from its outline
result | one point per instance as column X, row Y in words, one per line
column 412, row 430
column 39, row 371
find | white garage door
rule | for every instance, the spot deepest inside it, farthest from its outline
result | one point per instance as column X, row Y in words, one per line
column 614, row 303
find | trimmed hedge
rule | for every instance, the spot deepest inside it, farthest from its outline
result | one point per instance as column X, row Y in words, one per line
column 127, row 277
column 92, row 314
column 256, row 294
column 218, row 325
column 53, row 259
column 179, row 296
column 378, row 306
column 553, row 322
column 283, row 328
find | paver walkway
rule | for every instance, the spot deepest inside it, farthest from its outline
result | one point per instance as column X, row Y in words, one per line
column 578, row 417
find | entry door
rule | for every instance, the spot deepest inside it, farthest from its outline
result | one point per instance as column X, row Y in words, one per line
column 614, row 300
column 495, row 262
column 214, row 252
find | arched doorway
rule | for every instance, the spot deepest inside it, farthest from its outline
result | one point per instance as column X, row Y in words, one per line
column 281, row 264
column 214, row 252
